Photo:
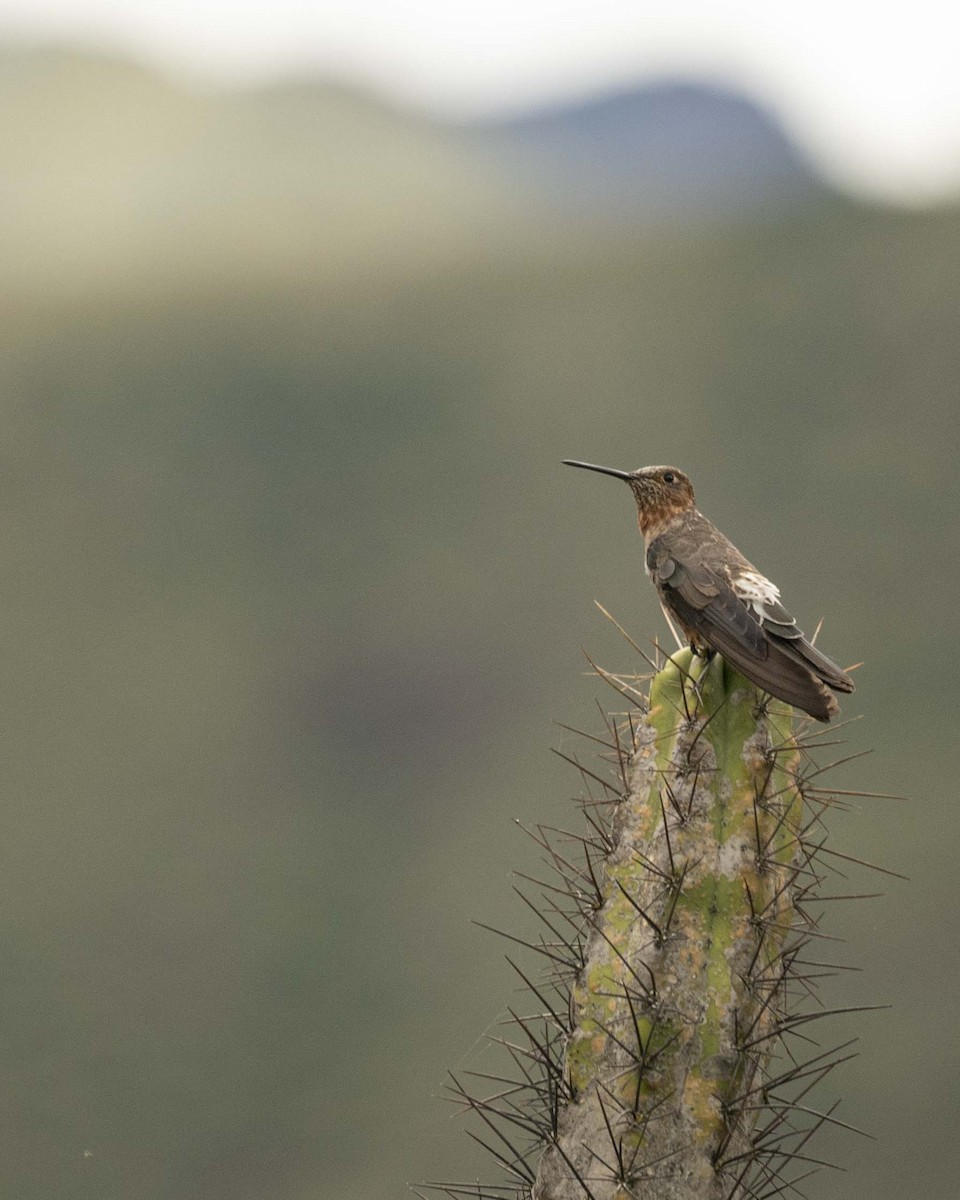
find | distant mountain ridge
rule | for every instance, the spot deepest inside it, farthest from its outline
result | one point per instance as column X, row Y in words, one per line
column 112, row 170
column 677, row 147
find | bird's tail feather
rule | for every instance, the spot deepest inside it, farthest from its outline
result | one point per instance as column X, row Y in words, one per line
column 781, row 674
column 810, row 657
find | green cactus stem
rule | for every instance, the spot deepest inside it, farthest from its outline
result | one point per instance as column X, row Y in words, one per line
column 658, row 1061
column 684, row 961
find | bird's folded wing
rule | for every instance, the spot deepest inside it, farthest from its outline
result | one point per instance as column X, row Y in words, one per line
column 707, row 605
column 715, row 605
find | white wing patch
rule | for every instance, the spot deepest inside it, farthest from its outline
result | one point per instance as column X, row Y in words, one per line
column 756, row 590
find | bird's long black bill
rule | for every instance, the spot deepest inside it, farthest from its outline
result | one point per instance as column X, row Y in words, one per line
column 572, row 462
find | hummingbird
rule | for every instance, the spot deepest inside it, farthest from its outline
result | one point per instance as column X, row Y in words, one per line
column 720, row 600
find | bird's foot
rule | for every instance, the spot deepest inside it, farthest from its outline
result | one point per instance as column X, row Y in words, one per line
column 705, row 655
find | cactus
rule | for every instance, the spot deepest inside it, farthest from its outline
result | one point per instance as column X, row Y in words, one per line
column 660, row 1061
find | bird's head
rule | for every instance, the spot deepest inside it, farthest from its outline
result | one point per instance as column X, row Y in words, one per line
column 661, row 493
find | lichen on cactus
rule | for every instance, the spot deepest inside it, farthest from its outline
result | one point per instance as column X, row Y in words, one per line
column 658, row 1063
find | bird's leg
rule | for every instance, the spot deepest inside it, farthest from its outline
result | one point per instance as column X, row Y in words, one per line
column 706, row 654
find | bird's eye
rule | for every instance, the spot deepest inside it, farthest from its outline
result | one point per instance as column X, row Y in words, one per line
column 669, row 477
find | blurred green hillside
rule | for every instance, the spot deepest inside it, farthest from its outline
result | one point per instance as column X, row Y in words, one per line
column 114, row 176
column 293, row 586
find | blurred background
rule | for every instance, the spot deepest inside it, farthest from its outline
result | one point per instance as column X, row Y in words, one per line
column 300, row 311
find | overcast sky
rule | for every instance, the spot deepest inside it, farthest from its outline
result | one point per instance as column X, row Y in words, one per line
column 872, row 88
